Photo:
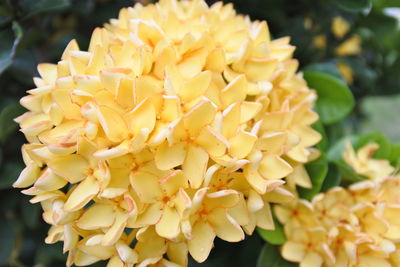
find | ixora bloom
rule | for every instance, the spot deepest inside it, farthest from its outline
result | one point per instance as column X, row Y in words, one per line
column 358, row 226
column 178, row 125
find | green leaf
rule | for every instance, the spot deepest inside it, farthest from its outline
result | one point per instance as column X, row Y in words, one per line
column 10, row 40
column 317, row 170
column 354, row 5
column 395, row 155
column 386, row 3
column 271, row 257
column 274, row 237
column 335, row 100
column 323, row 144
column 325, row 67
column 40, row 6
column 7, row 124
column 332, row 179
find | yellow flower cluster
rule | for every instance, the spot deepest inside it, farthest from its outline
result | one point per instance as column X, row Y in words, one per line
column 358, row 226
column 176, row 126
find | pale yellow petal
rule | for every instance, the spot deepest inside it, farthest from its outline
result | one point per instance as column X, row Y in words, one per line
column 293, row 251
column 168, row 226
column 167, row 157
column 195, row 165
column 202, row 241
column 225, row 226
column 73, row 168
column 96, row 217
column 82, row 194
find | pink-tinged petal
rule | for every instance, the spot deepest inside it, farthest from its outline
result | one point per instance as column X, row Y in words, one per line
column 239, row 212
column 82, row 194
column 231, row 120
column 202, row 241
column 249, row 110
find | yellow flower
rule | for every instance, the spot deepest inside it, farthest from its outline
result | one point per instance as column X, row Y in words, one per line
column 319, row 41
column 340, row 27
column 358, row 226
column 346, row 72
column 178, row 125
column 351, row 46
column 363, row 163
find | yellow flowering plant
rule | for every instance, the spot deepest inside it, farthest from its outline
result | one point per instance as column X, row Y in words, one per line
column 177, row 125
column 183, row 132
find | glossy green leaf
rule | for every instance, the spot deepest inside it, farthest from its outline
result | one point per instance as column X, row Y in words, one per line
column 271, row 257
column 395, row 155
column 332, row 179
column 335, row 100
column 323, row 144
column 317, row 170
column 325, row 67
column 354, row 5
column 274, row 237
column 7, row 124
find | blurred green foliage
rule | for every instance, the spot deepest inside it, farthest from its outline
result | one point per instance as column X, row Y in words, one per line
column 34, row 31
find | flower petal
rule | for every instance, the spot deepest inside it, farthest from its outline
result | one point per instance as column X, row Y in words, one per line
column 168, row 226
column 96, row 217
column 195, row 165
column 293, row 251
column 82, row 194
column 274, row 167
column 225, row 226
column 73, row 168
column 202, row 241
column 167, row 157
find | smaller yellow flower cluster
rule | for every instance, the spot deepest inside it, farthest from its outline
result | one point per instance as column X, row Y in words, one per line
column 358, row 226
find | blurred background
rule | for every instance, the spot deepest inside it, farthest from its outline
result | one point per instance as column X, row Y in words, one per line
column 357, row 41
